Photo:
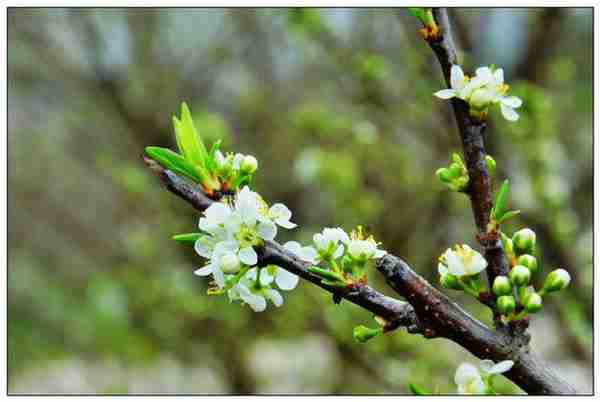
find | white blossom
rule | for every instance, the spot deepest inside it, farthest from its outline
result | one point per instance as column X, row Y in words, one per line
column 468, row 380
column 281, row 215
column 330, row 243
column 461, row 261
column 364, row 249
column 256, row 291
column 472, row 380
column 487, row 87
column 232, row 230
column 308, row 254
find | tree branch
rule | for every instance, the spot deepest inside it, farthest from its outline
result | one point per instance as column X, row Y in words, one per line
column 428, row 311
column 442, row 317
column 471, row 134
column 395, row 312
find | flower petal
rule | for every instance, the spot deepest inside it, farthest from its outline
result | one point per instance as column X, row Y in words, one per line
column 512, row 101
column 485, row 74
column 445, row 94
column 457, row 77
column 379, row 253
column 501, row 367
column 509, row 113
column 475, row 264
column 248, row 256
column 274, row 296
column 217, row 213
column 204, row 271
column 280, row 211
column 309, row 254
column 218, row 276
column 203, row 247
column 286, row 280
column 266, row 230
column 499, row 76
column 466, row 373
column 265, row 277
column 293, row 246
column 455, row 264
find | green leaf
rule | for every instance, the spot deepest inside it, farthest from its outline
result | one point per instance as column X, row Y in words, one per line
column 189, row 142
column 326, row 274
column 211, row 163
column 508, row 215
column 417, row 389
column 500, row 205
column 173, row 161
column 417, row 12
column 187, row 238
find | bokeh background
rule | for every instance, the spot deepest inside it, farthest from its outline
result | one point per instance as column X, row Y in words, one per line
column 337, row 106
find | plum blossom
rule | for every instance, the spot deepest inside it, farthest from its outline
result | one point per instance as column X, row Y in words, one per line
column 472, row 380
column 461, row 261
column 486, row 88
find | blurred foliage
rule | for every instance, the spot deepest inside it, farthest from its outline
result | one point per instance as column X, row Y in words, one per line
column 337, row 106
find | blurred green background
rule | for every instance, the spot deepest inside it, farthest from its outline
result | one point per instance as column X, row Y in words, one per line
column 337, row 106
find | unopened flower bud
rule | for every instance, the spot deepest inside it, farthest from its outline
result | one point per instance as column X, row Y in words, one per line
column 528, row 261
column 524, row 241
column 557, row 280
column 519, row 275
column 444, row 175
column 450, row 282
column 462, row 183
column 491, row 164
column 507, row 244
column 506, row 304
column 249, row 164
column 362, row 334
column 230, row 264
column 455, row 170
column 533, row 302
column 502, row 286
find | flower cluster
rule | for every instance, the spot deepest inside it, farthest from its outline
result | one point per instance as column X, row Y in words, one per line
column 472, row 380
column 214, row 172
column 460, row 269
column 486, row 88
column 343, row 257
column 230, row 232
column 520, row 250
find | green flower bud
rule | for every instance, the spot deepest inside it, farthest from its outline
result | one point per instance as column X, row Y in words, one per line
column 528, row 261
column 462, row 183
column 491, row 164
column 249, row 164
column 502, row 286
column 507, row 244
column 456, row 158
column 533, row 302
column 450, row 282
column 455, row 170
column 519, row 275
column 444, row 175
column 524, row 241
column 362, row 334
column 506, row 304
column 557, row 280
